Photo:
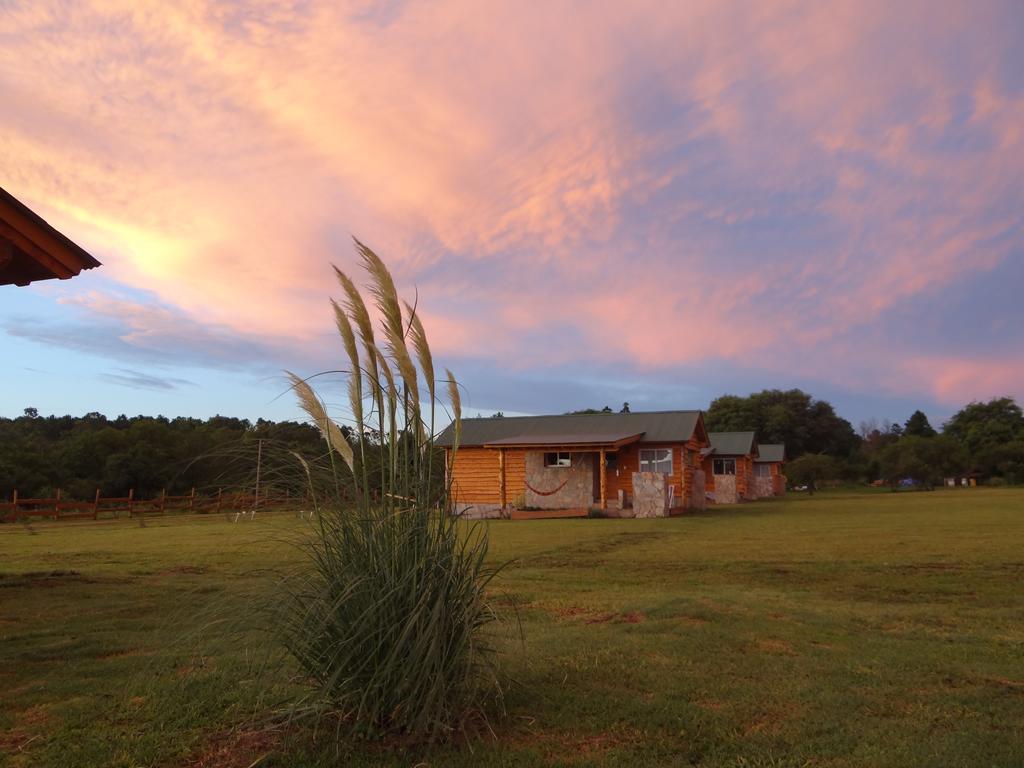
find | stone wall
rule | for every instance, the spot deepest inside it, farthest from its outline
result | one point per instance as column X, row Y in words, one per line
column 650, row 494
column 725, row 489
column 764, row 487
column 479, row 511
column 577, row 491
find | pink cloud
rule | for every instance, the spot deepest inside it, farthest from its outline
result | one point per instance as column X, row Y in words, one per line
column 596, row 171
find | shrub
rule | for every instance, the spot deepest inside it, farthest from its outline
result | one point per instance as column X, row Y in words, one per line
column 387, row 618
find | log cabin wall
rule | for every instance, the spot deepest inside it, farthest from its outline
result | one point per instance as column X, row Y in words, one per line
column 476, row 476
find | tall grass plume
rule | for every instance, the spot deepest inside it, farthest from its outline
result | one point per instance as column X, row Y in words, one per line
column 387, row 618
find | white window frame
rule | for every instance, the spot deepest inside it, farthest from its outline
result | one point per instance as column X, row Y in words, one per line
column 654, row 458
column 562, row 460
column 762, row 469
column 725, row 462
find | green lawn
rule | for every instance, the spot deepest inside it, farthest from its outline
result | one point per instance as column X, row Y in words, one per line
column 838, row 630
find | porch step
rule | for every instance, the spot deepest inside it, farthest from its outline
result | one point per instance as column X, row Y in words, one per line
column 547, row 514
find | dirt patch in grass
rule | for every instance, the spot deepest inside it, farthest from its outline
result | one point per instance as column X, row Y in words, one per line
column 120, row 653
column 184, row 569
column 568, row 747
column 236, row 749
column 589, row 555
column 590, row 616
column 26, row 731
column 774, row 647
column 41, row 578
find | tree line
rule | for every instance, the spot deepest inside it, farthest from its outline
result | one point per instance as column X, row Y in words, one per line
column 983, row 441
column 80, row 454
column 151, row 454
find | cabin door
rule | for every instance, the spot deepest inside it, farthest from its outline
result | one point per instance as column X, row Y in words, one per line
column 597, row 478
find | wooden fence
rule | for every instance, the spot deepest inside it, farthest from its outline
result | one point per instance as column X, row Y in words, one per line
column 57, row 508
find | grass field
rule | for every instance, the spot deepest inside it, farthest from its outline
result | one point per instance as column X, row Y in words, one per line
column 838, row 630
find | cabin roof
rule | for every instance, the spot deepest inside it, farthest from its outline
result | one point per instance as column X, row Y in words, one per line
column 613, row 440
column 771, row 452
column 732, row 443
column 31, row 249
column 570, row 429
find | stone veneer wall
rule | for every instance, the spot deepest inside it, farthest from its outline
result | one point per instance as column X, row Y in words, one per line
column 650, row 494
column 479, row 511
column 578, row 492
column 725, row 489
column 764, row 486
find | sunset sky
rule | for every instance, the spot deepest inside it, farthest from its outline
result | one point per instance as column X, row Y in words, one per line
column 595, row 202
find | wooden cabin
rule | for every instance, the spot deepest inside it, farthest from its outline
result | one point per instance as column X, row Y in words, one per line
column 768, row 477
column 729, row 467
column 30, row 249
column 623, row 464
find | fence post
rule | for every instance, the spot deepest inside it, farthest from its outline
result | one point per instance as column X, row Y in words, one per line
column 219, row 492
column 163, row 500
column 96, row 506
column 56, row 506
column 191, row 499
column 131, row 502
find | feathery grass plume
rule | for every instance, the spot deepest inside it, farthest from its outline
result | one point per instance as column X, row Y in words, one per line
column 382, row 286
column 387, row 619
column 456, row 401
column 357, row 311
column 356, row 308
column 422, row 349
column 311, row 405
column 392, row 410
column 348, row 338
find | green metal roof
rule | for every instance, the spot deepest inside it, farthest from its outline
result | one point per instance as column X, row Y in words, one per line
column 769, row 452
column 731, row 443
column 655, row 426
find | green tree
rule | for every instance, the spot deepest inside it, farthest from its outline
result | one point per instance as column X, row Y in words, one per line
column 918, row 426
column 925, row 460
column 792, row 417
column 811, row 469
column 988, row 431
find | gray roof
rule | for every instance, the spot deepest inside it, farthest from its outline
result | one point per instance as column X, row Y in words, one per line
column 655, row 426
column 731, row 443
column 573, row 439
column 771, row 452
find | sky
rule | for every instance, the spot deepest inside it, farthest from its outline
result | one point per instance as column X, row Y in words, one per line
column 591, row 202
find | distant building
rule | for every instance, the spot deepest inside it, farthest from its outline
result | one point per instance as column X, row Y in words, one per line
column 623, row 464
column 768, row 477
column 729, row 467
column 31, row 250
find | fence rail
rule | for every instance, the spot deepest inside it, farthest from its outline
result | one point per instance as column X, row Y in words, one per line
column 57, row 508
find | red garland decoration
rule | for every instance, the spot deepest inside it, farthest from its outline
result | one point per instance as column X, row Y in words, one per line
column 546, row 493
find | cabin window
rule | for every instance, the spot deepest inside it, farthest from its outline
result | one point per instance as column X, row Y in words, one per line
column 763, row 470
column 557, row 459
column 656, row 460
column 611, row 460
column 724, row 467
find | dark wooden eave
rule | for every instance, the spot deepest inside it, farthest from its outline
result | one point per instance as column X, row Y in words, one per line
column 30, row 249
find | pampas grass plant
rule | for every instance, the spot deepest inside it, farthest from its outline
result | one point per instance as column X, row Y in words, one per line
column 387, row 617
